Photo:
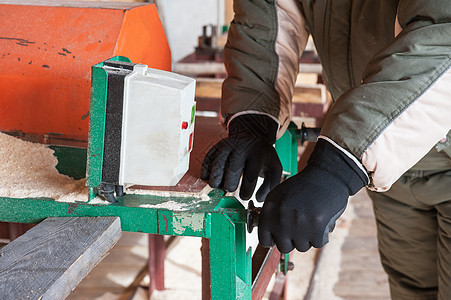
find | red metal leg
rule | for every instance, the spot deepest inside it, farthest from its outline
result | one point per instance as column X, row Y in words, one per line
column 206, row 286
column 157, row 253
column 17, row 229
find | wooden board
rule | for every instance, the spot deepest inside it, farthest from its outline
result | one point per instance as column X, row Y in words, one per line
column 304, row 91
column 118, row 275
column 49, row 260
column 209, row 87
column 310, row 93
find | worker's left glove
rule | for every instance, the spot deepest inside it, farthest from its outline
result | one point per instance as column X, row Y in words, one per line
column 248, row 150
column 301, row 211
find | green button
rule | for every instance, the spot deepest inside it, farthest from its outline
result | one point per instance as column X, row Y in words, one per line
column 193, row 113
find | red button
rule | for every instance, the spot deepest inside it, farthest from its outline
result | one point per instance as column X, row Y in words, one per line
column 184, row 125
column 190, row 142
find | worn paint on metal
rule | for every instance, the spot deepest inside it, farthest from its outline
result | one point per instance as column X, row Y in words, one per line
column 184, row 221
column 287, row 149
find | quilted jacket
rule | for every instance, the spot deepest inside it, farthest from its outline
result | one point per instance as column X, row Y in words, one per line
column 392, row 94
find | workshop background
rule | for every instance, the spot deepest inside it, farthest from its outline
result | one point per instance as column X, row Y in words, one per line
column 347, row 268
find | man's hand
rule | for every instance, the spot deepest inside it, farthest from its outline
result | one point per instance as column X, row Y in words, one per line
column 248, row 150
column 301, row 211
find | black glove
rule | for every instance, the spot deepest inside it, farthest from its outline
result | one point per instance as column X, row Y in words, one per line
column 301, row 211
column 247, row 150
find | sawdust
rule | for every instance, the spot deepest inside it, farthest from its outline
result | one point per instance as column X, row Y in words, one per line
column 174, row 205
column 28, row 170
column 171, row 204
column 203, row 195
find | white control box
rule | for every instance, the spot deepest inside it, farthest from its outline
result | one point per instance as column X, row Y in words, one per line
column 157, row 127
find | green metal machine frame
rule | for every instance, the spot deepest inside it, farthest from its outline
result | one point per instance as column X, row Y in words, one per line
column 222, row 219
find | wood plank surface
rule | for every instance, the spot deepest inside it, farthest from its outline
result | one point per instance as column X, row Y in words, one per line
column 349, row 267
column 304, row 93
column 118, row 275
column 265, row 267
column 209, row 87
column 361, row 275
column 49, row 260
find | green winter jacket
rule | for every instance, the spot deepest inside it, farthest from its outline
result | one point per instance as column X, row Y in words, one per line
column 392, row 95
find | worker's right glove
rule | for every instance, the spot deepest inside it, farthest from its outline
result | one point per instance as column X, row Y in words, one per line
column 301, row 211
column 248, row 150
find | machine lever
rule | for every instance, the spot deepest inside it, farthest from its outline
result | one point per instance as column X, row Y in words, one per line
column 106, row 192
column 308, row 134
column 252, row 216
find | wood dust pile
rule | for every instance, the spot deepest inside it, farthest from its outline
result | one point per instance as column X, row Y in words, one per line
column 28, row 170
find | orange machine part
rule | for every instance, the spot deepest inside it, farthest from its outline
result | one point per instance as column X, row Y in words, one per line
column 47, row 51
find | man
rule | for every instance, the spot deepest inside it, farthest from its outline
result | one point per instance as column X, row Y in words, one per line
column 391, row 116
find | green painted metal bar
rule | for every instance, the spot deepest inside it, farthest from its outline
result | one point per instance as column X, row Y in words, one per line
column 287, row 149
column 222, row 258
column 138, row 213
column 229, row 260
column 97, row 111
column 222, row 220
column 97, row 114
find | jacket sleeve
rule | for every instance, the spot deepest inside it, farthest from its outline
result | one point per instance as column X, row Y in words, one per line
column 261, row 56
column 403, row 106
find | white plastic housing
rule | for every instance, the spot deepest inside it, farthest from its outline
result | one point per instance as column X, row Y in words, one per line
column 156, row 141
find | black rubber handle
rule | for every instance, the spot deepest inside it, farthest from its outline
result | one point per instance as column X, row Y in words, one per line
column 308, row 134
column 253, row 213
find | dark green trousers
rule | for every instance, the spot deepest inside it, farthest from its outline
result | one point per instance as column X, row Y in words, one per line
column 414, row 233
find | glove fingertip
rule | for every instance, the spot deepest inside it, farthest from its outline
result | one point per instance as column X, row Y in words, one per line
column 244, row 194
column 261, row 194
column 215, row 182
column 247, row 188
column 216, row 176
column 265, row 238
column 230, row 187
column 284, row 245
column 303, row 246
column 232, row 180
column 204, row 173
